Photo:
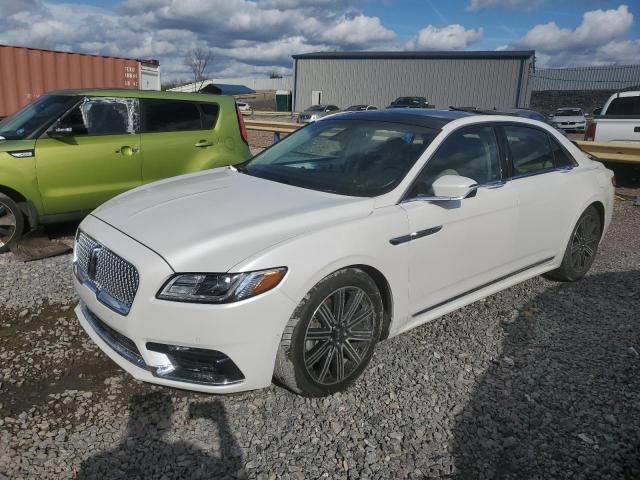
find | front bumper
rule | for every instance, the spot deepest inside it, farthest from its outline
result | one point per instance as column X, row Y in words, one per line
column 162, row 342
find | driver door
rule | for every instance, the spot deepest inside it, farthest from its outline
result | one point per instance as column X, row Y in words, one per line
column 90, row 155
column 458, row 246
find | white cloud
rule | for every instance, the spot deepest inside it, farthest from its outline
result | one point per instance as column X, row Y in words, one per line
column 450, row 37
column 480, row 4
column 245, row 35
column 596, row 41
column 597, row 28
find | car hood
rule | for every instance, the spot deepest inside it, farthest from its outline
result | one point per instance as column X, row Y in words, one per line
column 569, row 119
column 211, row 221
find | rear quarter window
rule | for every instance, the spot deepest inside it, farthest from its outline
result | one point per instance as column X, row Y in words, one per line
column 624, row 106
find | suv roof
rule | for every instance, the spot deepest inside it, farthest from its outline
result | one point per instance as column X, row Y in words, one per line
column 126, row 92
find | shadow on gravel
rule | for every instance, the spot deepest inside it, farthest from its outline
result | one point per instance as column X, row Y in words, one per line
column 148, row 453
column 565, row 399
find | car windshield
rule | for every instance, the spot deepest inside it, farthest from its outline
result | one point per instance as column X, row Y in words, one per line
column 24, row 123
column 316, row 108
column 354, row 108
column 407, row 100
column 347, row 157
column 574, row 112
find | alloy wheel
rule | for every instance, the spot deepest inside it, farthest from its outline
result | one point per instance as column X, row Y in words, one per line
column 8, row 224
column 339, row 335
column 584, row 243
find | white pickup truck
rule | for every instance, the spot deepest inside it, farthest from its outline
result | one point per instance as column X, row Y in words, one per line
column 619, row 120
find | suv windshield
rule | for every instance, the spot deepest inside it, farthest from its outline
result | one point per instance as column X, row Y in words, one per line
column 576, row 112
column 348, row 157
column 30, row 119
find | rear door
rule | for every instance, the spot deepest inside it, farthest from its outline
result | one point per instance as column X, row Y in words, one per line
column 540, row 171
column 99, row 159
column 178, row 137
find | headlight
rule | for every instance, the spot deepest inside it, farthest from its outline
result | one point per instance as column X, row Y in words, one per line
column 220, row 287
column 313, row 117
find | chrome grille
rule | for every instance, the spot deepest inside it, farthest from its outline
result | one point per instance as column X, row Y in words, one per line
column 109, row 273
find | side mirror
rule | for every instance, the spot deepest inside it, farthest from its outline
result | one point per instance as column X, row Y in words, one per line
column 60, row 132
column 453, row 187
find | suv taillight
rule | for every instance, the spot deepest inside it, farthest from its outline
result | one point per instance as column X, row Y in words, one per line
column 243, row 128
column 590, row 133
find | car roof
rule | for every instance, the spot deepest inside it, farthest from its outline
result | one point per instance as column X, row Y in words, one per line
column 127, row 92
column 569, row 108
column 431, row 118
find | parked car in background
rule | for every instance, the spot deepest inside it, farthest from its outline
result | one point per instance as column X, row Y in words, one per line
column 569, row 119
column 244, row 107
column 359, row 227
column 316, row 112
column 360, row 108
column 69, row 151
column 409, row 102
column 619, row 120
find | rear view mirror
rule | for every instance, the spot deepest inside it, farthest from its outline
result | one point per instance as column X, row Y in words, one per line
column 453, row 187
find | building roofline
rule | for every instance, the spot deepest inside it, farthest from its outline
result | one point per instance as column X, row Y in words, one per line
column 485, row 54
column 149, row 61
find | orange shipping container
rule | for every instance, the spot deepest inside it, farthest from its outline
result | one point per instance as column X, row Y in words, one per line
column 27, row 73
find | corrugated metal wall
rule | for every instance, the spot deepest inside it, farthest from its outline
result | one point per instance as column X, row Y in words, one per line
column 611, row 77
column 482, row 83
column 27, row 73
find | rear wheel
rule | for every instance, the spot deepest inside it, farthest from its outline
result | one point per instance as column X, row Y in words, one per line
column 11, row 223
column 582, row 248
column 331, row 336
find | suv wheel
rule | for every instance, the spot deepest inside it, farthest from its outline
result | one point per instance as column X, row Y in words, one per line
column 11, row 223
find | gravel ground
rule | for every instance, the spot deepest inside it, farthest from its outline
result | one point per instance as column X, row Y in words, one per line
column 539, row 381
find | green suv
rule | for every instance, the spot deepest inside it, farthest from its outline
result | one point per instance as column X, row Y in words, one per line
column 69, row 151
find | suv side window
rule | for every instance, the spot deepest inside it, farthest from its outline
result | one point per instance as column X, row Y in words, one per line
column 209, row 114
column 530, row 150
column 170, row 116
column 561, row 158
column 624, row 106
column 103, row 116
column 470, row 152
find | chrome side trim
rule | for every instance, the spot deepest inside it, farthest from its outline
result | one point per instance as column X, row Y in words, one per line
column 415, row 235
column 485, row 285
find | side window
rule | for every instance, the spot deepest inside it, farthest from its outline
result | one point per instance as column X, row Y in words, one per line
column 171, row 116
column 624, row 106
column 103, row 116
column 472, row 152
column 561, row 157
column 209, row 114
column 530, row 150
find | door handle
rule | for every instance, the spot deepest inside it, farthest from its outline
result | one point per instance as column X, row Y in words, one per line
column 127, row 150
column 203, row 144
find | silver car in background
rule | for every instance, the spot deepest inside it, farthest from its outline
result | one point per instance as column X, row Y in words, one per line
column 569, row 119
column 316, row 112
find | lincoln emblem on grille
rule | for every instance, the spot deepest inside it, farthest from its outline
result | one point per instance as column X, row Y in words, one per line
column 92, row 264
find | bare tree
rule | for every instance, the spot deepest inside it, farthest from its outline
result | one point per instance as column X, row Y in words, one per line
column 198, row 60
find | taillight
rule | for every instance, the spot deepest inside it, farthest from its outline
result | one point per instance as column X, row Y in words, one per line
column 590, row 133
column 243, row 128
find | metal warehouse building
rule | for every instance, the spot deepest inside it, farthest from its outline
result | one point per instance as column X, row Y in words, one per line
column 488, row 79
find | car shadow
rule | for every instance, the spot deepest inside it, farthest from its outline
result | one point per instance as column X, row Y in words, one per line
column 564, row 399
column 146, row 452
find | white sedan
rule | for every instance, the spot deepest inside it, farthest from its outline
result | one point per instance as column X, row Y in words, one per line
column 569, row 119
column 354, row 229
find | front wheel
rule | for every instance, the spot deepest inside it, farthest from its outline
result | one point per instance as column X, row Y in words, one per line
column 11, row 223
column 331, row 336
column 581, row 250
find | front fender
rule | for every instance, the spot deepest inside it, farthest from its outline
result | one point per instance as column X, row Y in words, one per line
column 18, row 174
column 314, row 255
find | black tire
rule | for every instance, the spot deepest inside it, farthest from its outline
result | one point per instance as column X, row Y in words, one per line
column 343, row 343
column 582, row 248
column 11, row 223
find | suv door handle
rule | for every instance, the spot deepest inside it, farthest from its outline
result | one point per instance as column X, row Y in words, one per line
column 203, row 144
column 127, row 150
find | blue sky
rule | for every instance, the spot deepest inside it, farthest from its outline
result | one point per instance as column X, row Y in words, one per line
column 257, row 37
